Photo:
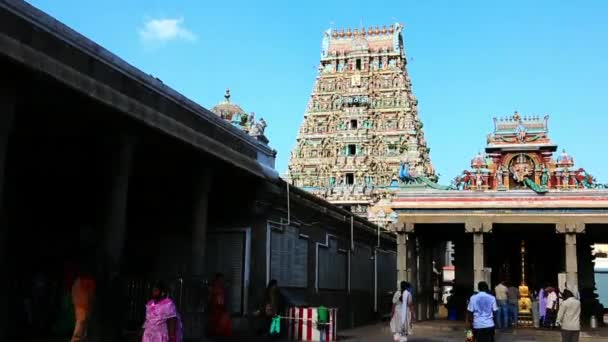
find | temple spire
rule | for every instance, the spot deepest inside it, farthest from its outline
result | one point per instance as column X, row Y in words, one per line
column 227, row 96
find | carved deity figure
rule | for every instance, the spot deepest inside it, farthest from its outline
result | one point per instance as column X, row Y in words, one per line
column 566, row 178
column 499, row 179
column 258, row 128
column 479, row 181
column 544, row 178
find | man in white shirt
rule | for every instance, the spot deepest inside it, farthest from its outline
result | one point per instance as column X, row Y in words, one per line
column 569, row 317
column 482, row 311
column 502, row 318
column 551, row 307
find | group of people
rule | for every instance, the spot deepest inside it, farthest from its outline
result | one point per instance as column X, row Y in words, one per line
column 162, row 319
column 484, row 311
column 507, row 299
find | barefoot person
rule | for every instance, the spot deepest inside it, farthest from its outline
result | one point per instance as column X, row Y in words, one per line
column 83, row 293
column 401, row 320
column 482, row 311
column 219, row 317
column 569, row 317
column 163, row 323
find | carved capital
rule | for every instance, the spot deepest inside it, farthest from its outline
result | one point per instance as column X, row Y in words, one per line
column 570, row 227
column 406, row 227
column 478, row 226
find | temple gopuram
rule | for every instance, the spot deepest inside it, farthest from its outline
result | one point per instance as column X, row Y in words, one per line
column 361, row 122
column 523, row 213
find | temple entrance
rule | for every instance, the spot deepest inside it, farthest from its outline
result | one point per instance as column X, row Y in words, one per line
column 544, row 259
column 593, row 271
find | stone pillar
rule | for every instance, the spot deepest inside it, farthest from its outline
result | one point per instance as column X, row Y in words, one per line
column 7, row 115
column 478, row 229
column 401, row 258
column 115, row 223
column 478, row 263
column 404, row 253
column 199, row 222
column 570, row 230
column 571, row 261
column 105, row 324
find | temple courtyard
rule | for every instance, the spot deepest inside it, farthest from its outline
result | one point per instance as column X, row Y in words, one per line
column 436, row 331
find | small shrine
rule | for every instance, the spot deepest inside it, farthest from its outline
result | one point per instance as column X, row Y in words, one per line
column 234, row 114
column 520, row 155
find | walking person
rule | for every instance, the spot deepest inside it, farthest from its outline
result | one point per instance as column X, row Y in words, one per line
column 401, row 318
column 482, row 311
column 512, row 302
column 568, row 317
column 322, row 322
column 502, row 317
column 542, row 306
column 163, row 323
column 535, row 310
column 273, row 306
column 551, row 305
column 219, row 317
column 83, row 294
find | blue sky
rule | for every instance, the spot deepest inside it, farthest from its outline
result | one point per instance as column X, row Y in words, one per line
column 469, row 61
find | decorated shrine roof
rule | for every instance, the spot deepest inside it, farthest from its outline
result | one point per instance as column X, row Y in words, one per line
column 377, row 39
column 517, row 130
column 234, row 114
column 227, row 109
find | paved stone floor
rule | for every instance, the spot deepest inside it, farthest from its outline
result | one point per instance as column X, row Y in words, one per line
column 454, row 332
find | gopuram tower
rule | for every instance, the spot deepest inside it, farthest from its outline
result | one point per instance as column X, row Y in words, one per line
column 361, row 136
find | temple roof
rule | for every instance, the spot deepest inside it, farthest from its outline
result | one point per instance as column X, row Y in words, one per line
column 376, row 40
column 515, row 131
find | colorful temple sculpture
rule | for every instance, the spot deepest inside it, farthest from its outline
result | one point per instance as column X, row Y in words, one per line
column 361, row 136
column 519, row 154
column 522, row 213
column 234, row 114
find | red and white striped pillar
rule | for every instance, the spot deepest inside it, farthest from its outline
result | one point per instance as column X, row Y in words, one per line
column 302, row 324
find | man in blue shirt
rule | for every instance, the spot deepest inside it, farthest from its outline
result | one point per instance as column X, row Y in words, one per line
column 482, row 313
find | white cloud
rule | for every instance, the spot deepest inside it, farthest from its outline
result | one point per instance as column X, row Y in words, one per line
column 164, row 30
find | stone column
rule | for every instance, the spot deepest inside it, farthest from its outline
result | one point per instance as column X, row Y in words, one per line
column 570, row 230
column 403, row 269
column 105, row 324
column 199, row 221
column 571, row 261
column 401, row 258
column 478, row 229
column 478, row 258
column 115, row 223
column 7, row 114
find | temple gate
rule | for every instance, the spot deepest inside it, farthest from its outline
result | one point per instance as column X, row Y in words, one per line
column 516, row 197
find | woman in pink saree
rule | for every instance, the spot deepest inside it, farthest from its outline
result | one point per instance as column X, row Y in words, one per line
column 163, row 323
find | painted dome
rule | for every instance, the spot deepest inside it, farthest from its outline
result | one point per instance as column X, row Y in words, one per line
column 565, row 159
column 227, row 110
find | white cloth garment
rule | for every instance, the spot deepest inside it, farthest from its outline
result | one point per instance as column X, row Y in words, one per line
column 402, row 318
